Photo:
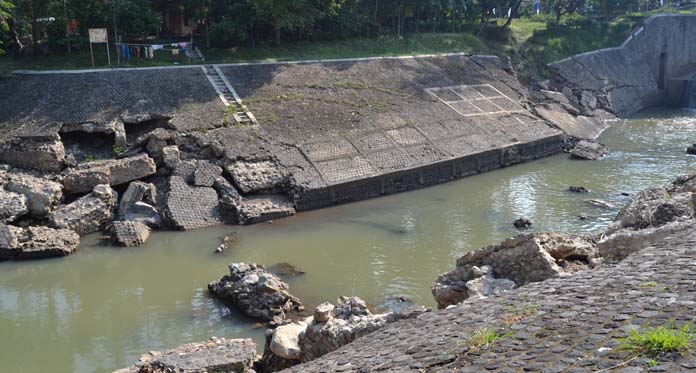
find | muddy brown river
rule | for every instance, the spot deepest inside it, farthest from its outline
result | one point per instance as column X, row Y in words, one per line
column 99, row 309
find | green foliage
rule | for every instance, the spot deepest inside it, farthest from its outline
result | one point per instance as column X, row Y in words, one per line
column 5, row 8
column 484, row 338
column 227, row 34
column 662, row 339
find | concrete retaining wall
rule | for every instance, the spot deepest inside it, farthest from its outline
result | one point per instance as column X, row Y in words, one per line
column 432, row 174
column 635, row 75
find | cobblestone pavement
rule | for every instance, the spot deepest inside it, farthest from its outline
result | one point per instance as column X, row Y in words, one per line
column 570, row 324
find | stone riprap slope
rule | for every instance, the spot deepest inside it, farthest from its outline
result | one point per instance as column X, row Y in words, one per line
column 652, row 66
column 572, row 324
column 328, row 132
column 350, row 130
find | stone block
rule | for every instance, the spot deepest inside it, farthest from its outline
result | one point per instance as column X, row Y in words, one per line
column 88, row 214
column 39, row 154
column 263, row 208
column 255, row 177
column 112, row 172
column 129, row 233
column 43, row 195
column 36, row 242
column 191, row 207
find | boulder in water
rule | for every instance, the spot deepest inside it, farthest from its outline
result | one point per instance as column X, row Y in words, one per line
column 691, row 149
column 257, row 293
column 522, row 223
column 578, row 189
column 588, row 150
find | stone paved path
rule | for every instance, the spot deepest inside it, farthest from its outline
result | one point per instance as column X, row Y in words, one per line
column 572, row 324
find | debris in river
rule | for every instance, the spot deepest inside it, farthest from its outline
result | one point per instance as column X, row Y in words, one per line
column 228, row 242
column 601, row 203
column 522, row 223
column 285, row 269
column 691, row 149
column 578, row 189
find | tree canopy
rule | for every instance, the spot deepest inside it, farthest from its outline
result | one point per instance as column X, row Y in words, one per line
column 50, row 24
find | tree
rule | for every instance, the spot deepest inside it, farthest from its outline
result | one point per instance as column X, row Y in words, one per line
column 5, row 20
column 293, row 15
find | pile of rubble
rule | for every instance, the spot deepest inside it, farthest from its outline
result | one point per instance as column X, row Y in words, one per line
column 331, row 327
column 213, row 355
column 256, row 292
column 49, row 180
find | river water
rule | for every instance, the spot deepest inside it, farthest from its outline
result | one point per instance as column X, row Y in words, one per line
column 99, row 309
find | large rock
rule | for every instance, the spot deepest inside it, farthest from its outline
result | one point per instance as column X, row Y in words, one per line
column 285, row 342
column 588, row 150
column 113, row 172
column 653, row 207
column 12, row 206
column 137, row 191
column 522, row 259
column 36, row 242
column 265, row 207
column 259, row 294
column 620, row 244
column 191, row 207
column 88, row 214
column 256, row 177
column 143, row 213
column 39, row 154
column 580, row 127
column 43, row 195
column 129, row 233
column 213, row 355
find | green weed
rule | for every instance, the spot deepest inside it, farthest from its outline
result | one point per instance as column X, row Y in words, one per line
column 659, row 340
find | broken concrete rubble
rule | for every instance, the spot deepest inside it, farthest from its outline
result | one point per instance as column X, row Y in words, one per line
column 522, row 259
column 87, row 214
column 335, row 326
column 12, row 206
column 112, row 172
column 257, row 293
column 129, row 233
column 213, row 355
column 588, row 150
column 257, row 177
column 190, row 207
column 43, row 195
column 36, row 242
column 39, row 154
column 263, row 208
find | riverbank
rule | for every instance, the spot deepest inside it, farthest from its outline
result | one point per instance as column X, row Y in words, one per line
column 575, row 323
column 105, row 306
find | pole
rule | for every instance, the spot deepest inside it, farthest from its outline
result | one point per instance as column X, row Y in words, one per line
column 67, row 24
column 108, row 54
column 91, row 52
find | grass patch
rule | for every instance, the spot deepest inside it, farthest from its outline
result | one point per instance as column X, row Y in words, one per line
column 484, row 338
column 646, row 285
column 519, row 313
column 653, row 342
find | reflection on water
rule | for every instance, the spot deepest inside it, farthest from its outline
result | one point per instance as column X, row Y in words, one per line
column 101, row 308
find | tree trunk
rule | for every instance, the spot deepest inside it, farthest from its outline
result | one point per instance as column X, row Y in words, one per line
column 207, row 34
column 251, row 36
column 277, row 36
column 515, row 9
column 15, row 44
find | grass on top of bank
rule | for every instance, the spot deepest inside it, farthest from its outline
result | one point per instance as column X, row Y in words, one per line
column 531, row 43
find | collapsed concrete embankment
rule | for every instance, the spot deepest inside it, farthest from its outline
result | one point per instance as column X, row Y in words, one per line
column 162, row 148
column 654, row 66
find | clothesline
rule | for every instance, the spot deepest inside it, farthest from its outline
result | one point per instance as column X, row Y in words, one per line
column 147, row 51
